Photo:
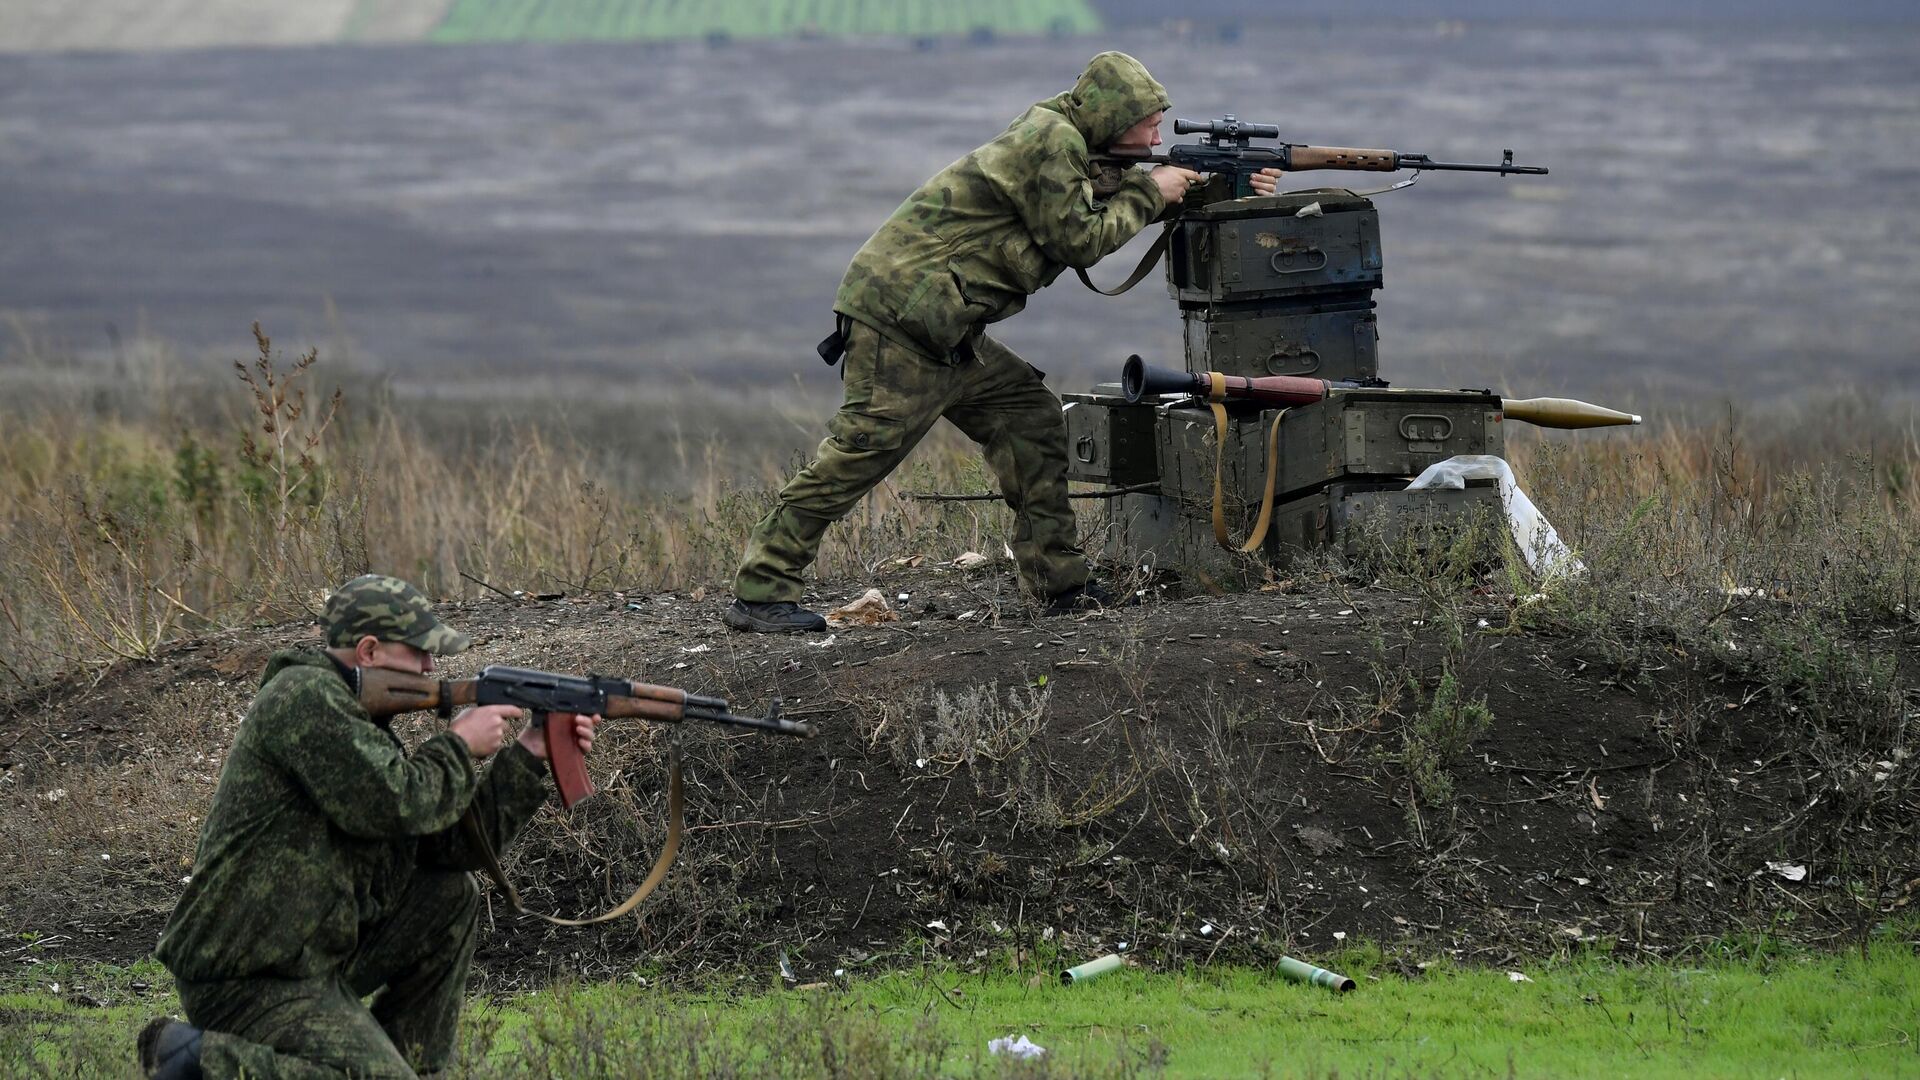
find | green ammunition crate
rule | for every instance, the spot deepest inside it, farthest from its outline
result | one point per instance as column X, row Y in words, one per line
column 1162, row 533
column 1262, row 249
column 1353, row 434
column 1157, row 533
column 1108, row 440
column 1339, row 342
column 1349, row 516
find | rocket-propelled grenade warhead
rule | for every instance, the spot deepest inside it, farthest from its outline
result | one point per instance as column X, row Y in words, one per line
column 1559, row 412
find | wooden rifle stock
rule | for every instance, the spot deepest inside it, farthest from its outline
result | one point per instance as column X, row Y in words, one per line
column 390, row 693
column 1343, row 158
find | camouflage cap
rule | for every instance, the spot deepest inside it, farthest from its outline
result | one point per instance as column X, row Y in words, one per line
column 390, row 610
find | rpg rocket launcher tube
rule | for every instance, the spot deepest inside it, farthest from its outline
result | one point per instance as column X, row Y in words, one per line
column 1140, row 380
column 1559, row 412
column 1302, row 972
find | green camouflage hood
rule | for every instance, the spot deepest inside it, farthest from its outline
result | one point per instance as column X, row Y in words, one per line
column 1113, row 94
column 390, row 610
column 980, row 236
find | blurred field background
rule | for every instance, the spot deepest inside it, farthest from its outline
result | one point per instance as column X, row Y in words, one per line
column 148, row 24
column 1733, row 207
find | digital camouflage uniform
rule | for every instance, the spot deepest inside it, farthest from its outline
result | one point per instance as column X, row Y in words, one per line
column 965, row 250
column 330, row 866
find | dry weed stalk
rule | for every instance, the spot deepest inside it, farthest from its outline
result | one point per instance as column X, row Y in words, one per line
column 289, row 460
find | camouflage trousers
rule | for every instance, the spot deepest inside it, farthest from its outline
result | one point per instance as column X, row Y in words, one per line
column 314, row 1028
column 893, row 398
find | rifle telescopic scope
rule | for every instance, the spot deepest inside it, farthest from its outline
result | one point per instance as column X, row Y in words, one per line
column 1227, row 127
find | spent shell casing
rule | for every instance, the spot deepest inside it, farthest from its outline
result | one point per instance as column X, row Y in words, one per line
column 1091, row 969
column 1301, row 971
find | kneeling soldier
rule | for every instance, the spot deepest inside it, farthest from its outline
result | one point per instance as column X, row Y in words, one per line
column 332, row 865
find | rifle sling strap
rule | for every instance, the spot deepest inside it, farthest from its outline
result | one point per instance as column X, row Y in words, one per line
column 675, row 826
column 1147, row 262
column 1216, row 396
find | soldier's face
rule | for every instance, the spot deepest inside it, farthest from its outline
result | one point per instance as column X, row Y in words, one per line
column 1141, row 137
column 393, row 655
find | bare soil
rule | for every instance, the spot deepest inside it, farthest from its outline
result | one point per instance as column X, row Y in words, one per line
column 1197, row 777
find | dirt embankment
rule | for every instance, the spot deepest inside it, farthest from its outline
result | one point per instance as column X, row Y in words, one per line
column 1227, row 776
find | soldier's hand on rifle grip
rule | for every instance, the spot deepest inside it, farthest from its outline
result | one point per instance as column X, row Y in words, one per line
column 564, row 741
column 1264, row 181
column 484, row 728
column 534, row 739
column 1173, row 181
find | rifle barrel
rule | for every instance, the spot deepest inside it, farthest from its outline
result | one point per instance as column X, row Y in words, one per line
column 1422, row 162
column 762, row 723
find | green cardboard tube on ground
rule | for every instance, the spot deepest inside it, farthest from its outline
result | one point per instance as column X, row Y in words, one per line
column 1301, row 971
column 1090, row 969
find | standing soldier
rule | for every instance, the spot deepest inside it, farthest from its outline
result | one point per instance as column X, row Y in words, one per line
column 965, row 250
column 333, row 865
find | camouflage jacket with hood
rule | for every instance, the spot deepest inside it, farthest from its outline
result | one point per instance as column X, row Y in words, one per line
column 989, row 230
column 319, row 822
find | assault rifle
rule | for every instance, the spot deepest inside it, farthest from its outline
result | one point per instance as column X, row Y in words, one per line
column 549, row 698
column 544, row 694
column 1226, row 150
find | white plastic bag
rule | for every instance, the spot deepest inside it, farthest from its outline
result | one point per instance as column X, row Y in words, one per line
column 1546, row 555
column 1020, row 1047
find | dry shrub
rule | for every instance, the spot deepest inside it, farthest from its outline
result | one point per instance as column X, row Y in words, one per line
column 153, row 506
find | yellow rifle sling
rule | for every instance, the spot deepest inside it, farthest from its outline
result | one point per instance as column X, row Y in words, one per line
column 675, row 825
column 1216, row 396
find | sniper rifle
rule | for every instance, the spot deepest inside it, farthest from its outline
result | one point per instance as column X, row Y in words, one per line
column 1226, row 150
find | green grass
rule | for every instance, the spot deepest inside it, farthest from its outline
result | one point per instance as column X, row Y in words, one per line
column 557, row 20
column 1739, row 1011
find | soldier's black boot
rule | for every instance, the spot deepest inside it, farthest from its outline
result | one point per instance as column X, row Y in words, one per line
column 777, row 617
column 1092, row 596
column 170, row 1050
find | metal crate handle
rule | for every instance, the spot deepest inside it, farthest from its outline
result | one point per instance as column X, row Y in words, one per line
column 1273, row 261
column 1277, row 361
column 1411, row 434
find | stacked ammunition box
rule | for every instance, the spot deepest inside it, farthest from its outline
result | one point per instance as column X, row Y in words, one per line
column 1280, row 285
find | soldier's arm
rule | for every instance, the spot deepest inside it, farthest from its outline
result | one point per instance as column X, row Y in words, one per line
column 356, row 772
column 509, row 792
column 1070, row 224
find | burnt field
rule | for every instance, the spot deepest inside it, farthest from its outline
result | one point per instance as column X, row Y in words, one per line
column 1729, row 210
